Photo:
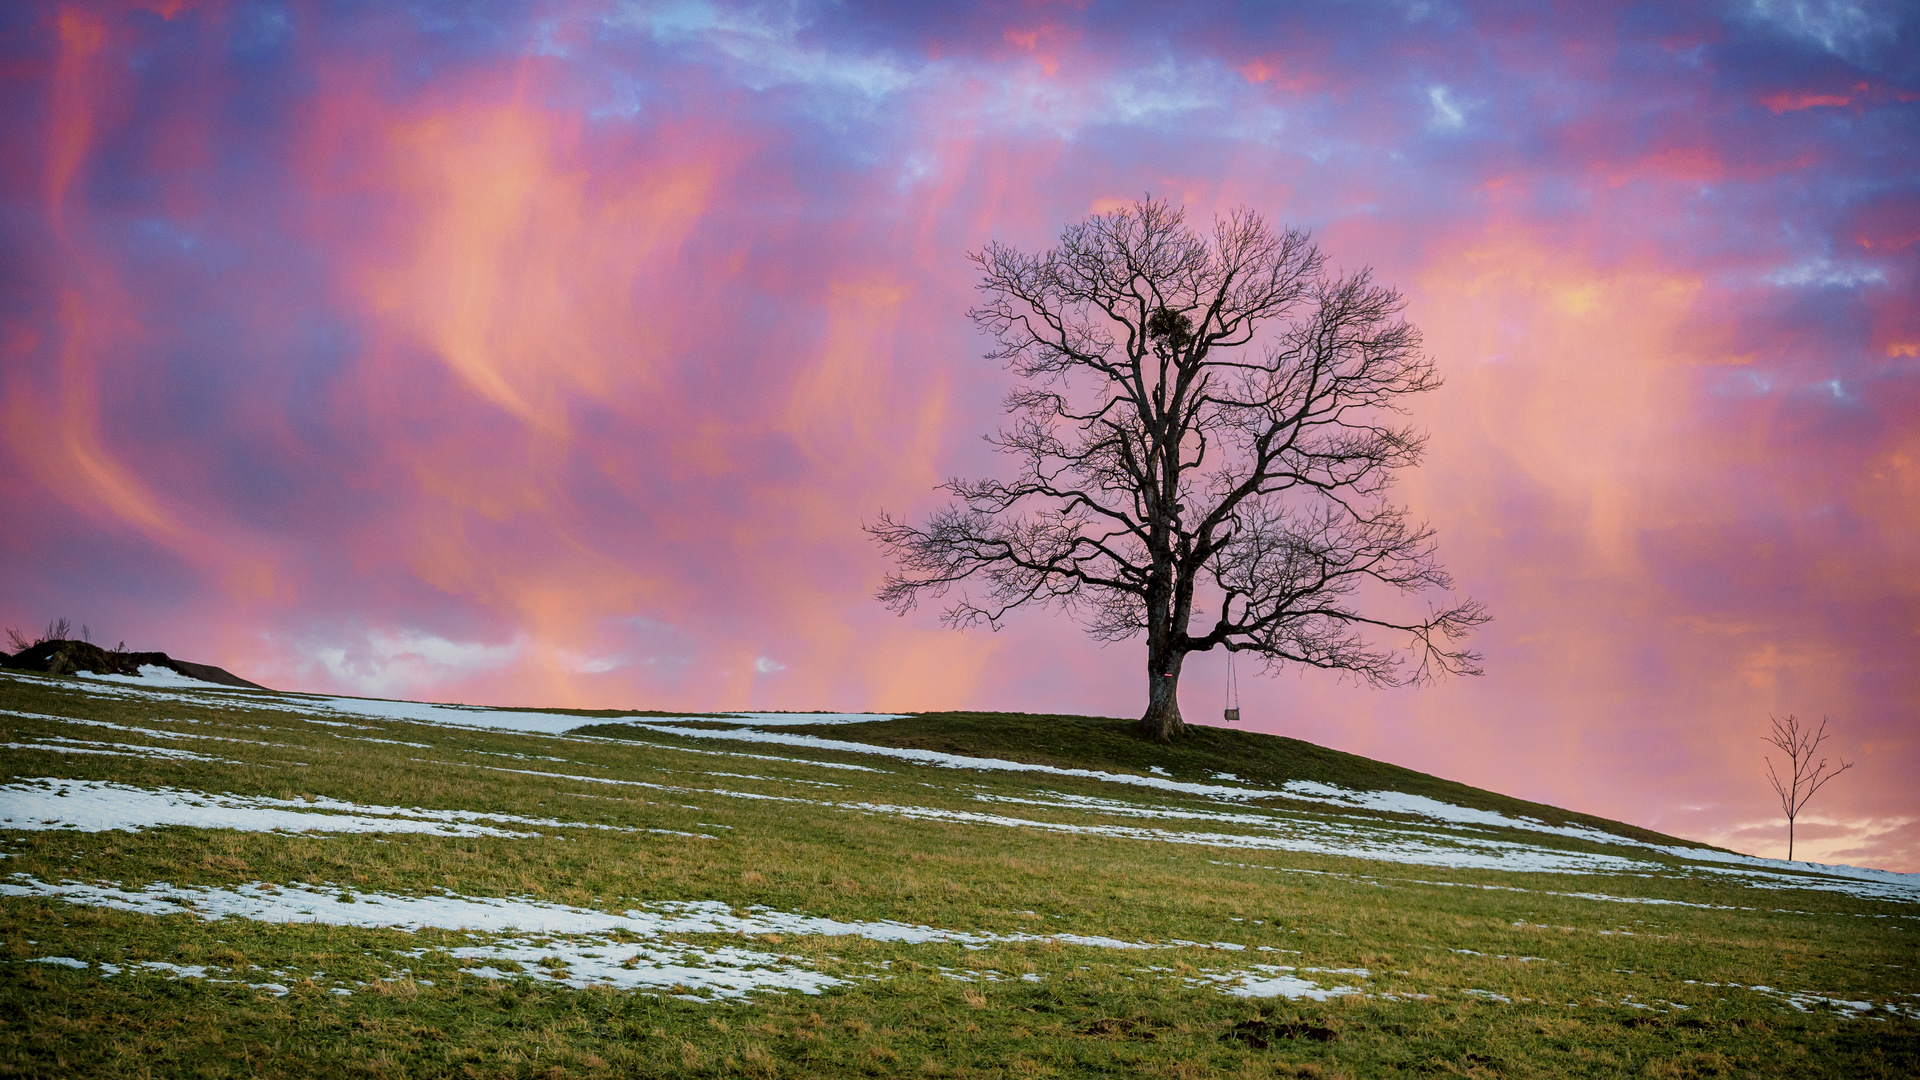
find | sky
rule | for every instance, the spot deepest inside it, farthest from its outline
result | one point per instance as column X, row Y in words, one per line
column 556, row 353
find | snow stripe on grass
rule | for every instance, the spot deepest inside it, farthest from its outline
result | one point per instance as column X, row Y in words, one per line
column 97, row 806
column 334, row 906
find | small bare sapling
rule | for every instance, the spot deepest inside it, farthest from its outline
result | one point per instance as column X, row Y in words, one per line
column 1806, row 777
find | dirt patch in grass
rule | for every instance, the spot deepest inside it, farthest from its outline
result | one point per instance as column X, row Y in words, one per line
column 1261, row 1033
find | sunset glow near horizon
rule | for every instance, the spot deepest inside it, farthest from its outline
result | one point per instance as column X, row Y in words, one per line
column 555, row 354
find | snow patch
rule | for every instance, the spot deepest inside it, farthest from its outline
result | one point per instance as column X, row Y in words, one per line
column 547, row 723
column 333, row 906
column 61, row 745
column 1377, row 844
column 99, row 806
column 1269, row 980
column 724, row 972
column 62, row 961
column 954, row 761
column 152, row 675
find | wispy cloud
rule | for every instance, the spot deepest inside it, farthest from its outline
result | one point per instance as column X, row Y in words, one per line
column 1847, row 28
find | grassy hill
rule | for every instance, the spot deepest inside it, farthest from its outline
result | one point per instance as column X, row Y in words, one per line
column 1096, row 742
column 217, row 882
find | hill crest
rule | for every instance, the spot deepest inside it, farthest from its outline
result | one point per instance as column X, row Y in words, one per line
column 60, row 656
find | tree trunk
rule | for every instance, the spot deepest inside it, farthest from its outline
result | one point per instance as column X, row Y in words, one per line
column 1789, row 839
column 1162, row 721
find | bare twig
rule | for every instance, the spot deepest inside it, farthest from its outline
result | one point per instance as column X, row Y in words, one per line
column 57, row 630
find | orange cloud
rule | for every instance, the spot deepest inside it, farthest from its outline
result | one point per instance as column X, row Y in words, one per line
column 1570, row 369
column 56, row 430
column 1046, row 42
column 526, row 271
column 70, row 130
column 1860, row 94
column 1285, row 74
column 61, row 441
column 1787, row 101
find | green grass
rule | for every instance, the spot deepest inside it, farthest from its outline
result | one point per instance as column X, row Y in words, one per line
column 1095, row 742
column 414, row 1009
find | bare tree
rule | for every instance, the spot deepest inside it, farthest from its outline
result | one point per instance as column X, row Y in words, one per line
column 1799, row 744
column 1216, row 413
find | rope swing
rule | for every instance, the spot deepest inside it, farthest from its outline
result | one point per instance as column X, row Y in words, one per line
column 1233, row 691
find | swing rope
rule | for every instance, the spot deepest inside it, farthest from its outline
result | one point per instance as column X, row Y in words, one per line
column 1233, row 690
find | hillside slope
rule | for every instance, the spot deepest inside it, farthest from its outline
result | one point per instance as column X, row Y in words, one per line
column 1254, row 757
column 204, row 881
column 1284, row 788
